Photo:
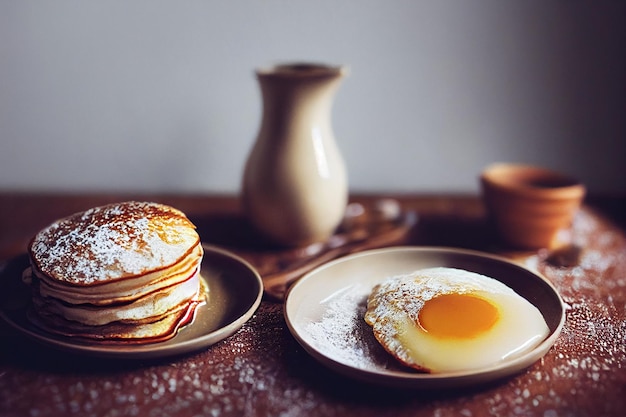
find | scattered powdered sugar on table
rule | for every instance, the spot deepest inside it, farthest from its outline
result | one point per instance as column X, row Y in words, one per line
column 590, row 354
column 342, row 334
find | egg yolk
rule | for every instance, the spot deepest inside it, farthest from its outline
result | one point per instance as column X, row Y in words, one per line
column 457, row 316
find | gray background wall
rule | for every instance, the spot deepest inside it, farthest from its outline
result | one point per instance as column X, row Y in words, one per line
column 160, row 96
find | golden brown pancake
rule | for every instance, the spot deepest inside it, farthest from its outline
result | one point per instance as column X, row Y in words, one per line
column 126, row 271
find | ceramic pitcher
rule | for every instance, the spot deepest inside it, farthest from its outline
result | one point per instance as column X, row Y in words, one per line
column 294, row 184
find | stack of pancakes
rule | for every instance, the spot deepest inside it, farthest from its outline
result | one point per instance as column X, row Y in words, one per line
column 122, row 272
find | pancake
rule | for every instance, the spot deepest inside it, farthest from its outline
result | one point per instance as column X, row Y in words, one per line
column 122, row 272
column 117, row 332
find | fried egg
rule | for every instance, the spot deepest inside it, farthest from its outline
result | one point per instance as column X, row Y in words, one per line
column 448, row 320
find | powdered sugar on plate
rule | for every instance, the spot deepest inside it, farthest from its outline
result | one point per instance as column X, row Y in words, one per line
column 342, row 334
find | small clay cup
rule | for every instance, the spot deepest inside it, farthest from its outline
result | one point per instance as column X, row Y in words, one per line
column 529, row 205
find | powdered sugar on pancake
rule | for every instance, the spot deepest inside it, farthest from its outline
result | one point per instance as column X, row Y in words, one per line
column 111, row 242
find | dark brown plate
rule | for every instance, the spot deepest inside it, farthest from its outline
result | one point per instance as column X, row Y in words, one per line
column 235, row 291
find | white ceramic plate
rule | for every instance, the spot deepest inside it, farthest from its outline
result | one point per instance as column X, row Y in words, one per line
column 235, row 291
column 324, row 312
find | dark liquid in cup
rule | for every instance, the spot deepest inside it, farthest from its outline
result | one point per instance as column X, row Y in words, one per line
column 550, row 182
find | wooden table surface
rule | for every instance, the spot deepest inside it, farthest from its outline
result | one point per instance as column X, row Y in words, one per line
column 262, row 371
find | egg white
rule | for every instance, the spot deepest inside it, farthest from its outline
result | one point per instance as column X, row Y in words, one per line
column 393, row 312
